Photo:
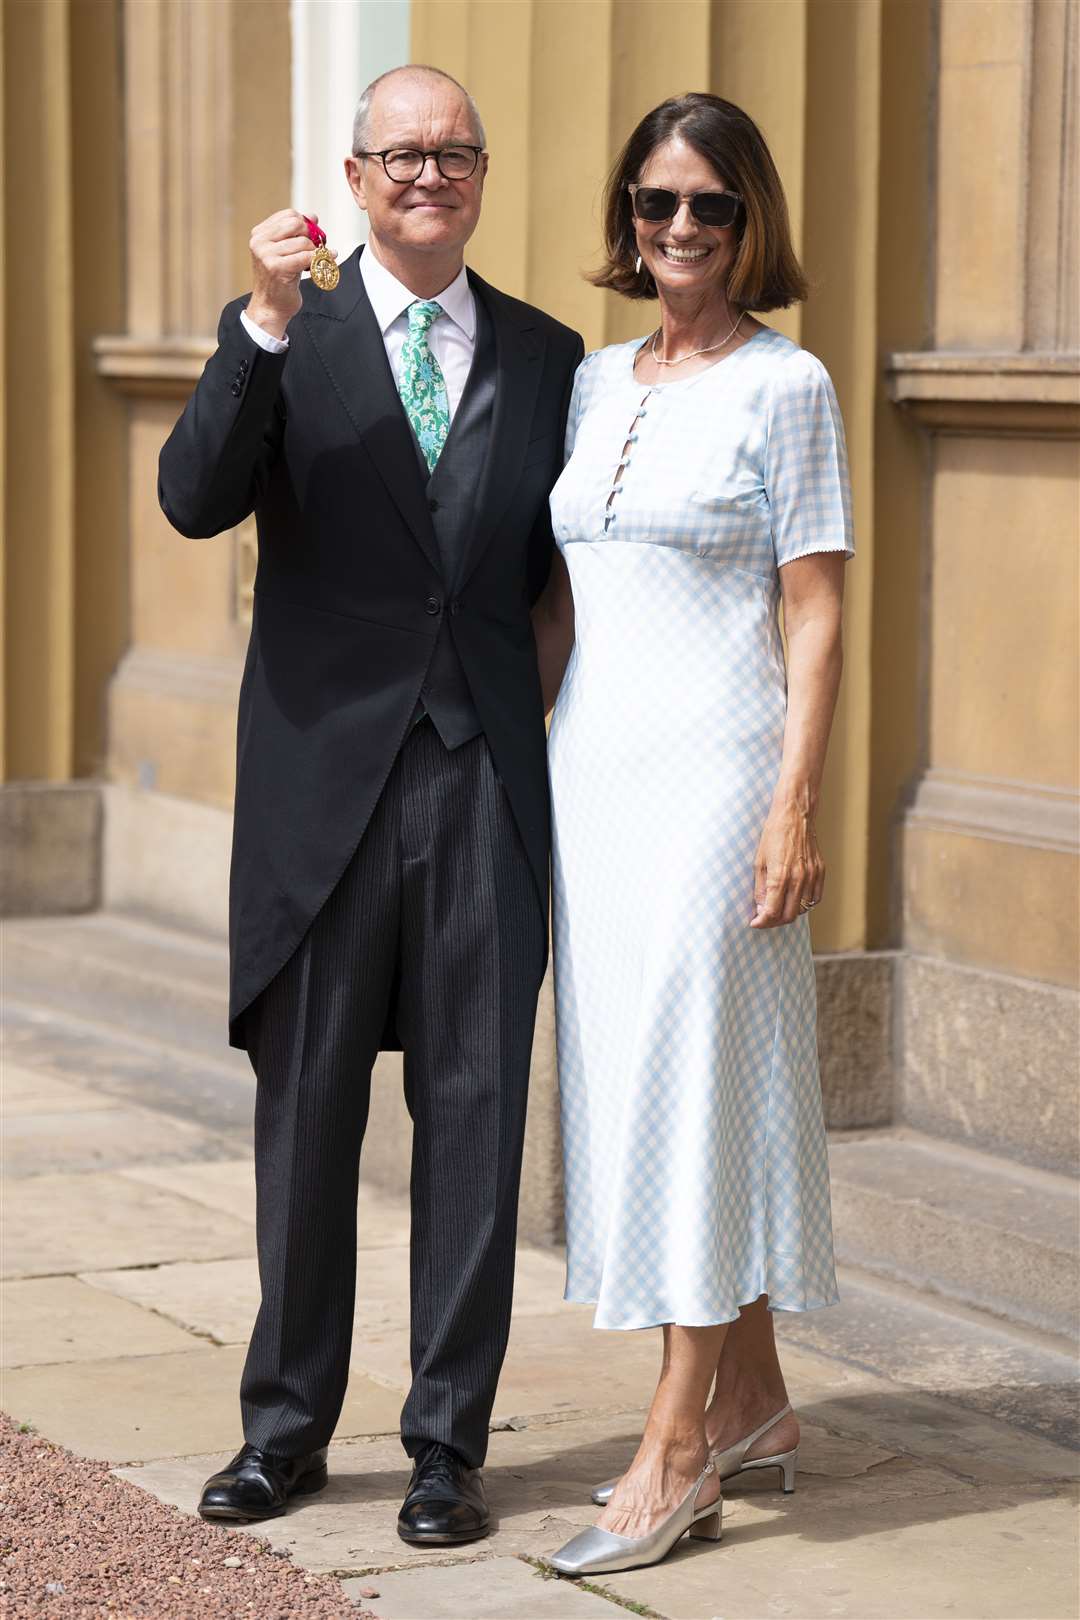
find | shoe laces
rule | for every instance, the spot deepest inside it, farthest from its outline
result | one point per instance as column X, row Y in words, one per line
column 439, row 1463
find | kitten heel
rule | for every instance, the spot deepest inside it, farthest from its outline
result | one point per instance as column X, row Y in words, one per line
column 787, row 1469
column 708, row 1529
column 784, row 1463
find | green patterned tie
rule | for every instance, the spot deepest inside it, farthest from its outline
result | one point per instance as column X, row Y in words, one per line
column 422, row 385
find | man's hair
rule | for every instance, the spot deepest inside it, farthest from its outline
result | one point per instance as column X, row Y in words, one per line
column 416, row 70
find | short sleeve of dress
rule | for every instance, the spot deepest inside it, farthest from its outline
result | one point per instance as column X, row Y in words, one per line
column 806, row 469
column 584, row 383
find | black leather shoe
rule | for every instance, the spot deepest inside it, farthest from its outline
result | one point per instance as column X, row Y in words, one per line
column 445, row 1500
column 258, row 1485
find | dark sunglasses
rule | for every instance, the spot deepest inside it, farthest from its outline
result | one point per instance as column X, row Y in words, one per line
column 655, row 204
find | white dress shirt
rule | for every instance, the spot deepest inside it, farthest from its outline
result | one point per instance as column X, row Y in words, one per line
column 452, row 337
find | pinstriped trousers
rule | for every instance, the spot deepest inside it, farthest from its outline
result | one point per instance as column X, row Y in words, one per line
column 438, row 910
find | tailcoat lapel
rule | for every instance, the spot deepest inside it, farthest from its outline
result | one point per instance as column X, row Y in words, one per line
column 345, row 335
column 519, row 348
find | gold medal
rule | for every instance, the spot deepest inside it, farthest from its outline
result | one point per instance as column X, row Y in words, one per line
column 324, row 270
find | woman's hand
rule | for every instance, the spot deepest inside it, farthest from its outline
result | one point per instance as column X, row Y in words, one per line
column 789, row 873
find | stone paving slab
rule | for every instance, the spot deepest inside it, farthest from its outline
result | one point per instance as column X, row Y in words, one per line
column 33, row 1091
column 970, row 1555
column 97, row 1138
column 216, row 1091
column 968, row 1442
column 52, row 1319
column 94, row 1221
column 1027, row 1379
column 554, row 1363
column 538, row 1482
column 130, row 1408
column 219, row 1298
column 229, row 1186
column 489, row 1591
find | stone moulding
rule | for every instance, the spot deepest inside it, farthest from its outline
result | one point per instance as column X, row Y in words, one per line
column 152, row 367
column 1005, row 811
column 198, row 678
column 985, row 393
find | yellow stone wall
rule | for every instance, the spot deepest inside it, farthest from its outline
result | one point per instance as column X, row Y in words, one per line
column 990, row 868
column 933, row 199
column 207, row 91
column 64, row 571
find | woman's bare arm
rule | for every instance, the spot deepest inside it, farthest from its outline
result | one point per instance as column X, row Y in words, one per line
column 789, row 872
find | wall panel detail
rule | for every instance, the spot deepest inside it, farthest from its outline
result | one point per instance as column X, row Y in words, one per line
column 206, row 159
column 991, row 832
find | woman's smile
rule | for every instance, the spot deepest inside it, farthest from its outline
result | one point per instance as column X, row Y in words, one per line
column 682, row 255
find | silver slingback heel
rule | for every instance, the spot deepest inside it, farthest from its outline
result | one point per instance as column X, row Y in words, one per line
column 596, row 1552
column 733, row 1461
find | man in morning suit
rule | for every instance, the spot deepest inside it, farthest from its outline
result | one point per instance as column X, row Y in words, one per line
column 397, row 438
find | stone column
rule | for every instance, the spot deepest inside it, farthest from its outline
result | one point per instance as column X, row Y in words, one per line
column 991, row 837
column 39, row 374
column 63, row 576
column 207, row 151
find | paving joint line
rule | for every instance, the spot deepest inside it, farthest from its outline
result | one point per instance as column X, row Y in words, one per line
column 546, row 1572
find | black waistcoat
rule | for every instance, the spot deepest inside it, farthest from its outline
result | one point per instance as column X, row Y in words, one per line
column 451, row 494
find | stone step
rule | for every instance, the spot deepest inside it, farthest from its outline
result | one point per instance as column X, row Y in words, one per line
column 939, row 1349
column 979, row 1230
column 141, row 978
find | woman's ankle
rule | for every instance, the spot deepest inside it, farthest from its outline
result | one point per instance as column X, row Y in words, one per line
column 681, row 1446
column 734, row 1413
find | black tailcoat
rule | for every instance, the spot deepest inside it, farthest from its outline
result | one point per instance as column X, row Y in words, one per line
column 350, row 595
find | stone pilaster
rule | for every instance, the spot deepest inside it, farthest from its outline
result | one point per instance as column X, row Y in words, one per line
column 207, row 120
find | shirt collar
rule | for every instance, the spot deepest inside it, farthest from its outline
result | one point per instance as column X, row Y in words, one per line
column 390, row 298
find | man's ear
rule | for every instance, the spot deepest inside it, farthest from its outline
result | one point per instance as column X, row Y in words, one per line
column 354, row 174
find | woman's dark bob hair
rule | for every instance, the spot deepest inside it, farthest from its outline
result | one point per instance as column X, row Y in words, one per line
column 766, row 273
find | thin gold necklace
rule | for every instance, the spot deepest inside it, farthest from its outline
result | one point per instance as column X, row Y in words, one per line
column 683, row 358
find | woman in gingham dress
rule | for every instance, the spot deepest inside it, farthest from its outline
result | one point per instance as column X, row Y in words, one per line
column 705, row 486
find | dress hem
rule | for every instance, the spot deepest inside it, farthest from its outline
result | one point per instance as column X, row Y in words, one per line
column 815, row 1304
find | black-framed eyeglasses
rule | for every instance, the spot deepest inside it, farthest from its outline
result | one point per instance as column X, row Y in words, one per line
column 404, row 164
column 655, row 204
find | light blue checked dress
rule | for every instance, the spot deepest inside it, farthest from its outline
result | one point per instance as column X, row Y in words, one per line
column 696, row 1167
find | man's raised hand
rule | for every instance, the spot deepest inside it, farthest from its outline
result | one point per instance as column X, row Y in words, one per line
column 281, row 250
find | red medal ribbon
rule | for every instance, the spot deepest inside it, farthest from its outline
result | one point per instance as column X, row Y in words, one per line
column 316, row 232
